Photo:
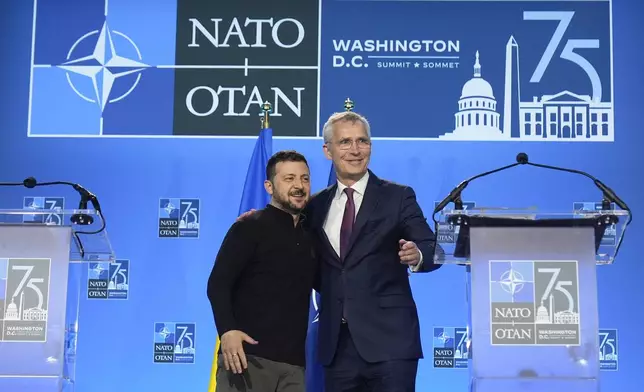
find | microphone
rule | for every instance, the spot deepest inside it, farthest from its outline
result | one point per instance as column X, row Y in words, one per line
column 85, row 195
column 609, row 196
column 455, row 194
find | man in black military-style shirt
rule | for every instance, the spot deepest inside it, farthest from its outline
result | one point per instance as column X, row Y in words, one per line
column 260, row 287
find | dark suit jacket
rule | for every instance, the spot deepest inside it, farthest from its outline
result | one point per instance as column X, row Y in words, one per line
column 371, row 282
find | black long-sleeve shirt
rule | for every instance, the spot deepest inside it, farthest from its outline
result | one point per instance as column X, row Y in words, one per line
column 261, row 284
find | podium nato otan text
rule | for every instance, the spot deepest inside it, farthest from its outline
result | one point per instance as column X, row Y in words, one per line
column 531, row 294
column 43, row 254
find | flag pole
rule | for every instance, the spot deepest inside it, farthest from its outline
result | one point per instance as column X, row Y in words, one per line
column 266, row 110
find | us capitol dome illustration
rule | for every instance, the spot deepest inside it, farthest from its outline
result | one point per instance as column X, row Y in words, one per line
column 477, row 117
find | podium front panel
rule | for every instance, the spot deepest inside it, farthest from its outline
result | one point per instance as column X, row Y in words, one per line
column 34, row 265
column 533, row 309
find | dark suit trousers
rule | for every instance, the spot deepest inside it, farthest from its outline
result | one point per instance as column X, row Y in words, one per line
column 350, row 373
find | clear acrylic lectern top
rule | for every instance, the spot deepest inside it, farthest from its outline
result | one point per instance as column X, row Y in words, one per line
column 90, row 242
column 453, row 228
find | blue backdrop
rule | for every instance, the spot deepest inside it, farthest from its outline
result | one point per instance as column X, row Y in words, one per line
column 451, row 88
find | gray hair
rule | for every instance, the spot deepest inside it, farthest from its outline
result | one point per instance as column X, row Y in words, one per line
column 327, row 131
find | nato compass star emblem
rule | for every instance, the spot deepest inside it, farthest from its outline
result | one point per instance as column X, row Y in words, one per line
column 444, row 337
column 104, row 66
column 98, row 269
column 35, row 205
column 164, row 332
column 512, row 282
column 169, row 208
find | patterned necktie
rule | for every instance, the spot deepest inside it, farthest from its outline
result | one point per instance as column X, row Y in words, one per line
column 347, row 223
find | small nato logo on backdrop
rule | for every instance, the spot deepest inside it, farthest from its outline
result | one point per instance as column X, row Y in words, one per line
column 108, row 280
column 447, row 234
column 174, row 342
column 451, row 347
column 52, row 204
column 608, row 350
column 179, row 218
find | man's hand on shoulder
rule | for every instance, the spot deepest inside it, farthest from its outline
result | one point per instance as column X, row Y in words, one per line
column 233, row 350
column 408, row 253
column 245, row 215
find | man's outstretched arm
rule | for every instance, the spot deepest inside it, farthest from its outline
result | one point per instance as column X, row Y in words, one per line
column 416, row 230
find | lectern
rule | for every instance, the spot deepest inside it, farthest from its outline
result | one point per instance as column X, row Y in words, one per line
column 42, row 254
column 531, row 294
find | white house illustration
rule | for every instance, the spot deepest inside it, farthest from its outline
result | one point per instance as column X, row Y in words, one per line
column 565, row 115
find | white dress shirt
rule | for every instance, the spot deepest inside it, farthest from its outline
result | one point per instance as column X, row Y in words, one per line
column 333, row 222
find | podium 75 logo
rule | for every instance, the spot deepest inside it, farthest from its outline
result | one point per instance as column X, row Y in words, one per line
column 26, row 305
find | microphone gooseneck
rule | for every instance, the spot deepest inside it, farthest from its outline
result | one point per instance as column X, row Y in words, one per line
column 609, row 196
column 78, row 218
column 455, row 194
column 85, row 198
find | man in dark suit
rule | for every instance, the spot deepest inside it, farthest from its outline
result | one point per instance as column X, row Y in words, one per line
column 369, row 233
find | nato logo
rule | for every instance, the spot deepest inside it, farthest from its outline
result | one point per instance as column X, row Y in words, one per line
column 179, row 218
column 53, row 204
column 108, row 280
column 608, row 350
column 174, row 342
column 534, row 303
column 171, row 68
column 451, row 347
column 24, row 299
column 610, row 235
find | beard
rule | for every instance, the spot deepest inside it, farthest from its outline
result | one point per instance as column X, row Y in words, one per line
column 286, row 204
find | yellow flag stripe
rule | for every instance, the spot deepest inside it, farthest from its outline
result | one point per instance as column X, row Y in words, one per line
column 212, row 386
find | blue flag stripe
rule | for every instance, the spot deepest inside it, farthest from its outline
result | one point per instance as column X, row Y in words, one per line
column 254, row 196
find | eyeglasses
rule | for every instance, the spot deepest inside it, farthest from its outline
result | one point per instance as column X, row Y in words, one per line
column 347, row 144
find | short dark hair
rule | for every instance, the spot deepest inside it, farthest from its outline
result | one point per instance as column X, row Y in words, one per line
column 282, row 156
